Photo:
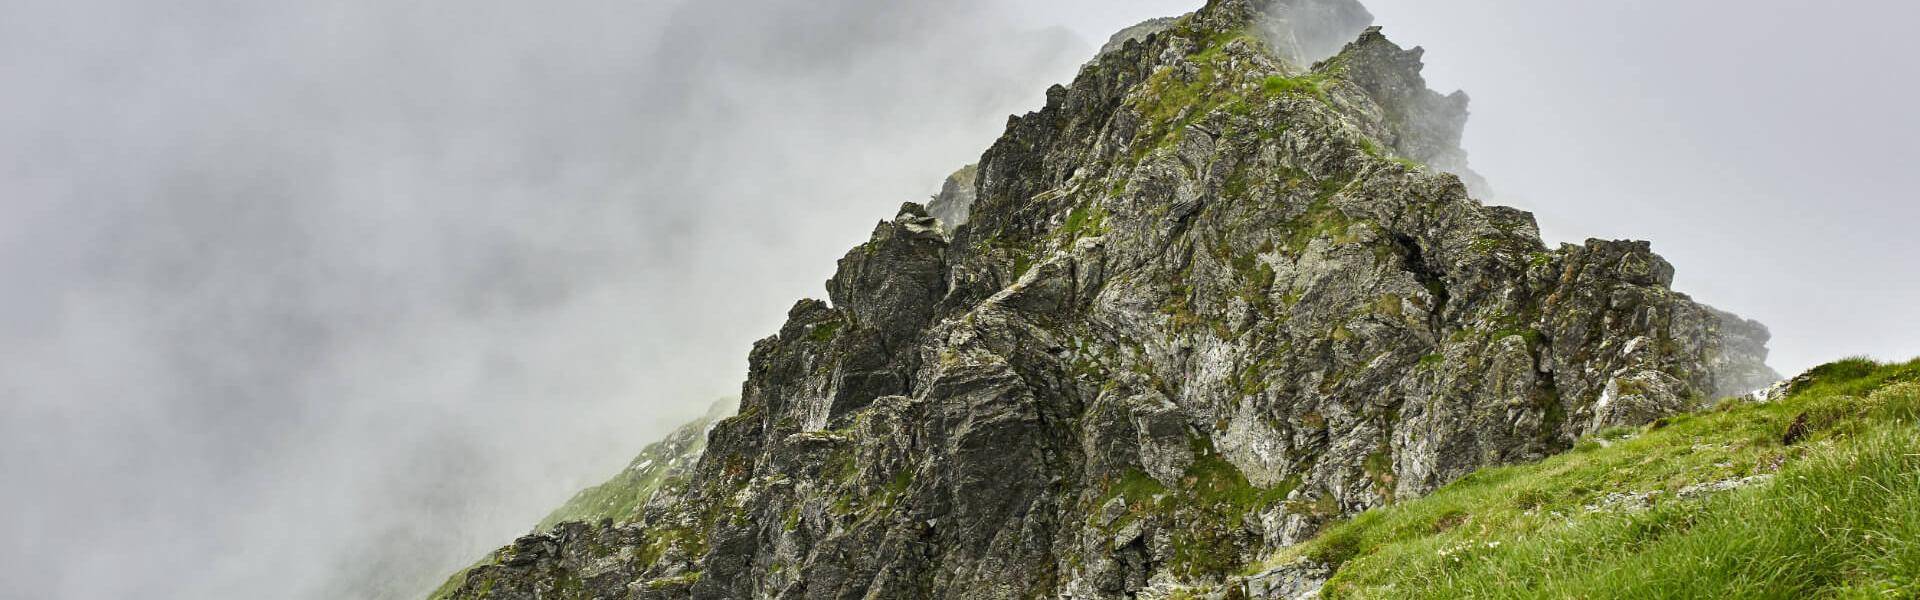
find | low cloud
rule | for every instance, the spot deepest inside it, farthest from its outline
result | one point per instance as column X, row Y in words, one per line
column 324, row 300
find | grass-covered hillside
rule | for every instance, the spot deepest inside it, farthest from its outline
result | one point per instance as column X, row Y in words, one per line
column 1812, row 495
column 621, row 498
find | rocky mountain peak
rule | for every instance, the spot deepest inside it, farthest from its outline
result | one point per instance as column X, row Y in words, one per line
column 1226, row 287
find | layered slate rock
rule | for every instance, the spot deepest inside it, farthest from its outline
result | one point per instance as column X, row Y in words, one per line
column 1203, row 302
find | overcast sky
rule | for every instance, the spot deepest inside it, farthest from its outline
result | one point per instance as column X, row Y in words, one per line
column 322, row 300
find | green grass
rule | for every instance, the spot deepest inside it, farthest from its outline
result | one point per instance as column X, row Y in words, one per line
column 1322, row 220
column 451, row 585
column 1313, row 84
column 825, row 332
column 622, row 497
column 1840, row 517
column 1171, row 104
column 1084, row 221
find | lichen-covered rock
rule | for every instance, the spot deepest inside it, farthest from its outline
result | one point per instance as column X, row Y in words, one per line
column 1204, row 301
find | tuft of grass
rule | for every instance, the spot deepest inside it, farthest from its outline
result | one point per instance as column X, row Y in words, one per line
column 1838, row 517
column 1022, row 262
column 825, row 332
column 1846, row 369
column 1313, row 84
column 1322, row 220
column 453, row 583
column 1084, row 221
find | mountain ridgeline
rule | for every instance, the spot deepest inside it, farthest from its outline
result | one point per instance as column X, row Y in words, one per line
column 1226, row 289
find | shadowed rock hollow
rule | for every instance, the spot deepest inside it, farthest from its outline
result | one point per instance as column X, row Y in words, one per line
column 1206, row 300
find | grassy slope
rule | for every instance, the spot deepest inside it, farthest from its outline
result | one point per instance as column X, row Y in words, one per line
column 1839, row 518
column 621, row 498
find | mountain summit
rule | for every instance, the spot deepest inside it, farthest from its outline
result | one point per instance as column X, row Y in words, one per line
column 1228, row 287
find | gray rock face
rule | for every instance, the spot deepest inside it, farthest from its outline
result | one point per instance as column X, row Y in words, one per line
column 1201, row 303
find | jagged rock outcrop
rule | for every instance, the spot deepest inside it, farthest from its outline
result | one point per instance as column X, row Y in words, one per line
column 1421, row 124
column 1204, row 301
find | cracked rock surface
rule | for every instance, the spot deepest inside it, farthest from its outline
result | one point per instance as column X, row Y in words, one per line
column 1206, row 300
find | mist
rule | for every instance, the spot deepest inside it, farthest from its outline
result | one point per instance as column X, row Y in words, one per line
column 325, row 300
